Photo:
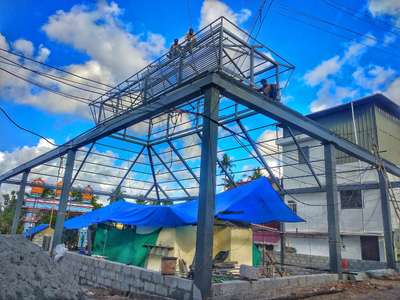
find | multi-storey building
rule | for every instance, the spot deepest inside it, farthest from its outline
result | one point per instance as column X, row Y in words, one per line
column 373, row 123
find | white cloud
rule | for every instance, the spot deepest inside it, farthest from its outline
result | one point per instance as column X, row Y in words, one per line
column 330, row 95
column 213, row 9
column 389, row 38
column 98, row 33
column 372, row 77
column 24, row 46
column 323, row 70
column 389, row 8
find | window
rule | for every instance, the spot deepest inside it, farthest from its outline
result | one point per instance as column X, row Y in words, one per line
column 350, row 199
column 293, row 206
column 306, row 151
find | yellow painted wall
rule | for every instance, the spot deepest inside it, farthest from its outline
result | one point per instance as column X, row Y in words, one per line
column 38, row 238
column 237, row 240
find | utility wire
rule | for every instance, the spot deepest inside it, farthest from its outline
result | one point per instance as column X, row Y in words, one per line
column 25, row 129
column 52, row 67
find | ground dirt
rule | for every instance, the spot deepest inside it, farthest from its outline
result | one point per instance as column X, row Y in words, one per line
column 27, row 272
column 373, row 289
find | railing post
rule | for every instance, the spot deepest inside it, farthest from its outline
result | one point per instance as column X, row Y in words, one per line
column 252, row 65
column 387, row 221
column 20, row 202
column 335, row 256
column 206, row 207
column 62, row 205
column 220, row 46
column 180, row 68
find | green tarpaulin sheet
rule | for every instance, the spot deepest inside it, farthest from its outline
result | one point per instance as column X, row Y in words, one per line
column 124, row 246
column 256, row 256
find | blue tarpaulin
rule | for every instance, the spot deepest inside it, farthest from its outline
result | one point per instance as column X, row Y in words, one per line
column 32, row 231
column 255, row 202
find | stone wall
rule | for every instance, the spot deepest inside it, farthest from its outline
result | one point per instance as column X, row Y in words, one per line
column 129, row 279
column 322, row 262
column 269, row 288
column 139, row 281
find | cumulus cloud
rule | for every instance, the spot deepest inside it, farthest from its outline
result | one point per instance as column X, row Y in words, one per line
column 24, row 46
column 326, row 76
column 390, row 8
column 213, row 9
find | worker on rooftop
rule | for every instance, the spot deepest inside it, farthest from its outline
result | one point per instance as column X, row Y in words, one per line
column 190, row 40
column 175, row 50
column 269, row 90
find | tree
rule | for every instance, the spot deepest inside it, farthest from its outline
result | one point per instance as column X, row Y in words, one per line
column 94, row 202
column 7, row 215
column 256, row 174
column 227, row 164
column 117, row 195
column 48, row 193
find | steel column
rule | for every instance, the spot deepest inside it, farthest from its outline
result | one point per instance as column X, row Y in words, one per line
column 20, row 202
column 204, row 237
column 387, row 221
column 62, row 206
column 335, row 256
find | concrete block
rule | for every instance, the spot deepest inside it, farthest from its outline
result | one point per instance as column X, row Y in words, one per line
column 249, row 272
column 161, row 290
column 381, row 273
column 171, row 281
column 157, row 278
column 149, row 287
column 146, row 275
column 185, row 284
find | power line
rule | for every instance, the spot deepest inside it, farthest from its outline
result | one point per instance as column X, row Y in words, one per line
column 66, row 95
column 25, row 129
column 52, row 67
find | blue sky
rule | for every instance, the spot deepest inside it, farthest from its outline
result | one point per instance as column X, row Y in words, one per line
column 331, row 68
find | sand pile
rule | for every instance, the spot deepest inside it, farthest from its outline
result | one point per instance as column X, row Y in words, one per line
column 27, row 272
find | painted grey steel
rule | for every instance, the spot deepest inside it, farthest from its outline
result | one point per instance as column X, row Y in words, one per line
column 62, row 206
column 277, row 111
column 335, row 244
column 153, row 172
column 224, row 170
column 182, row 160
column 304, row 156
column 204, row 236
column 259, row 155
column 147, row 111
column 82, row 163
column 387, row 221
column 19, row 203
column 128, row 171
column 170, row 171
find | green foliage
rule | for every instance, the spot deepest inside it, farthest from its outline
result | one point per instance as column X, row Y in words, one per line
column 76, row 196
column 48, row 193
column 117, row 195
column 256, row 174
column 7, row 214
column 227, row 164
column 94, row 203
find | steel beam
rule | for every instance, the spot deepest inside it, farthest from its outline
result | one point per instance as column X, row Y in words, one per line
column 304, row 156
column 335, row 256
column 164, row 102
column 129, row 170
column 153, row 172
column 170, row 171
column 82, row 163
column 260, row 156
column 206, row 208
column 182, row 160
column 387, row 221
column 62, row 206
column 244, row 95
column 19, row 203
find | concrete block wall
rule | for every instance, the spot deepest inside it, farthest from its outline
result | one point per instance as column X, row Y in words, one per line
column 130, row 279
column 322, row 262
column 269, row 288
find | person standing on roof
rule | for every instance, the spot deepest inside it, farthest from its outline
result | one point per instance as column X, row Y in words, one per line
column 175, row 50
column 190, row 40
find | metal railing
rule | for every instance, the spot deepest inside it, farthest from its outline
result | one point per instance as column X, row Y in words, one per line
column 220, row 46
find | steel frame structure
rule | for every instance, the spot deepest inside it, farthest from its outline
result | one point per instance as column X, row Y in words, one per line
column 224, row 63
